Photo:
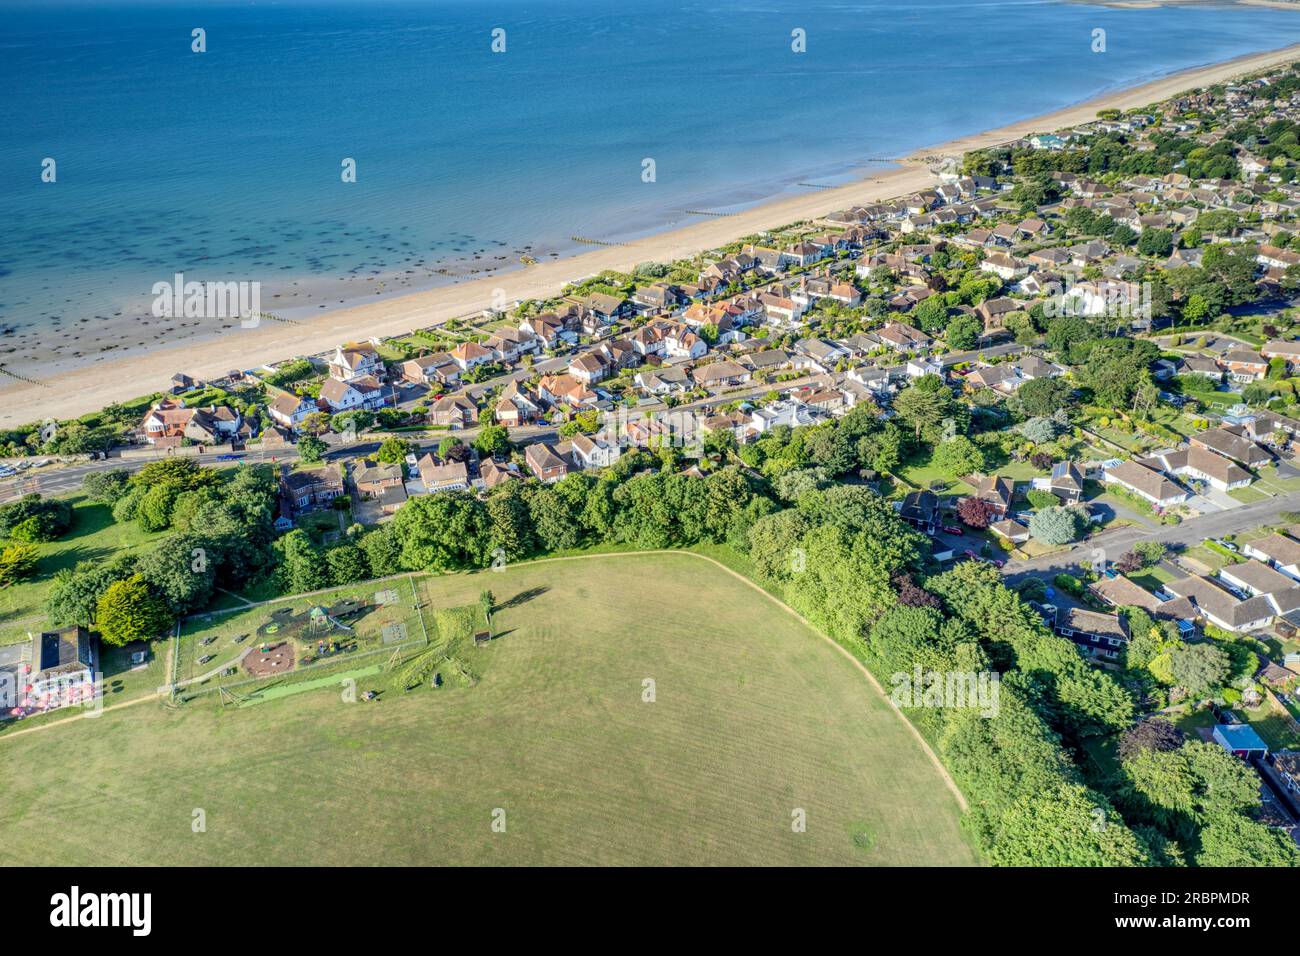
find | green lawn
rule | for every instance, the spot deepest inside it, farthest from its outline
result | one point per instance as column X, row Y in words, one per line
column 1249, row 495
column 94, row 536
column 754, row 716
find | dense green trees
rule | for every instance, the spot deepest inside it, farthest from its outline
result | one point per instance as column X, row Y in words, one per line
column 129, row 610
column 33, row 518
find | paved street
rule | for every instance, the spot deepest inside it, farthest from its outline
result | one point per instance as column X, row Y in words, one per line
column 1190, row 532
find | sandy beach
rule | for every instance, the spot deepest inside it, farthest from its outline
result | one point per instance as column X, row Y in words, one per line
column 91, row 387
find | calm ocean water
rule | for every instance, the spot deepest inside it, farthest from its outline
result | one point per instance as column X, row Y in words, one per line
column 225, row 165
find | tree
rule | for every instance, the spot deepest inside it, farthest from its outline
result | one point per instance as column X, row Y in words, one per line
column 1039, row 430
column 487, row 602
column 976, row 512
column 958, row 456
column 1154, row 733
column 182, row 570
column 1158, row 243
column 1069, row 826
column 393, row 450
column 924, row 405
column 1230, row 839
column 964, row 332
column 1040, row 397
column 33, row 518
column 346, row 564
column 492, row 440
column 311, row 449
column 106, row 487
column 1199, row 668
column 1042, row 499
column 129, row 611
column 17, row 561
column 300, row 566
column 154, row 511
column 1057, row 525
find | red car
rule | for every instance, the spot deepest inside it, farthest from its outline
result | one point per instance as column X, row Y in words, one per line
column 952, row 529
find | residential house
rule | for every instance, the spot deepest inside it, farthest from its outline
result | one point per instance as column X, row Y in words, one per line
column 1145, row 483
column 311, row 488
column 354, row 361
column 442, row 476
column 544, row 463
column 592, row 451
column 454, row 411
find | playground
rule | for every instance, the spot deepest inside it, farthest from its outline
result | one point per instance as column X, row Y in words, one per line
column 296, row 634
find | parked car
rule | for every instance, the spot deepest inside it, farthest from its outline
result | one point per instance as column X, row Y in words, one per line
column 953, row 529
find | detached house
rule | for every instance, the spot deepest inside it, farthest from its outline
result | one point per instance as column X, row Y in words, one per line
column 544, row 463
column 290, row 410
column 355, row 361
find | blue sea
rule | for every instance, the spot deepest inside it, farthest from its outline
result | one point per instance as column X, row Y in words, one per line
column 226, row 164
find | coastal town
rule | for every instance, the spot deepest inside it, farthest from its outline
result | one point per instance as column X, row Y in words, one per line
column 1065, row 374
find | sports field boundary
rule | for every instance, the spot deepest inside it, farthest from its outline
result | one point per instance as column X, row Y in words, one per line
column 924, row 744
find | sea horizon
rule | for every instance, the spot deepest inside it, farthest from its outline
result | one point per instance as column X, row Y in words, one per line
column 201, row 171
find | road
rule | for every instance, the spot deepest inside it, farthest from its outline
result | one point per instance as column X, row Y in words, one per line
column 1190, row 532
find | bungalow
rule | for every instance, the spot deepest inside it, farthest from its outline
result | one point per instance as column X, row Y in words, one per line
column 662, row 380
column 544, row 463
column 1221, row 607
column 1259, row 580
column 1010, row 529
column 903, row 337
column 720, row 374
column 1243, row 365
column 1279, row 551
column 1200, row 464
column 1231, row 443
column 791, row 413
column 1272, row 257
column 1119, row 591
column 1146, row 483
column 1277, row 348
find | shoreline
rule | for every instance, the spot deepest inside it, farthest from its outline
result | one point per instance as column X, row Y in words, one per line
column 92, row 386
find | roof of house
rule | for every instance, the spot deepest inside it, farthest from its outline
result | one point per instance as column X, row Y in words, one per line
column 1240, row 736
column 1149, row 482
column 1279, row 548
column 57, row 649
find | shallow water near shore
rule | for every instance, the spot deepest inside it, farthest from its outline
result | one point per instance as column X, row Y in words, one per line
column 225, row 165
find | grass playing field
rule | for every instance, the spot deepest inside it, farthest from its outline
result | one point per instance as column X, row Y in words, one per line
column 754, row 717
